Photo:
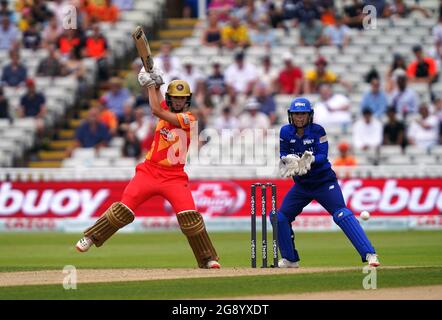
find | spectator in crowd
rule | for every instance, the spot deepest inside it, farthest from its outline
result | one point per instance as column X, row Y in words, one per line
column 437, row 111
column 31, row 38
column 252, row 118
column 314, row 78
column 15, row 73
column 290, row 78
column 68, row 39
column 267, row 74
column 437, row 36
column 367, row 132
column 344, row 158
column 240, row 76
column 107, row 12
column 404, row 100
column 5, row 12
column 226, row 121
column 380, row 6
column 424, row 131
column 8, row 34
column 40, row 11
column 398, row 64
column 332, row 109
column 96, row 47
column 169, row 72
column 311, row 33
column 131, row 80
column 91, row 133
column 423, row 69
column 4, row 106
column 221, row 8
column 74, row 65
column 32, row 104
column 193, row 76
column 143, row 128
column 353, row 14
column 305, row 11
column 267, row 104
column 276, row 15
column 373, row 73
column 132, row 146
column 117, row 96
column 262, row 34
column 51, row 32
column 235, row 35
column 215, row 83
column 142, row 101
column 328, row 14
column 60, row 9
column 166, row 61
column 338, row 34
column 107, row 117
column 51, row 65
column 25, row 20
column 375, row 99
column 211, row 36
column 399, row 9
column 394, row 130
column 125, row 119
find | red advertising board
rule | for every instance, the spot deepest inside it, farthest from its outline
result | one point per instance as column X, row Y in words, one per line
column 228, row 198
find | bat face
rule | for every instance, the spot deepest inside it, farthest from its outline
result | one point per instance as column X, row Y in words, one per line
column 143, row 48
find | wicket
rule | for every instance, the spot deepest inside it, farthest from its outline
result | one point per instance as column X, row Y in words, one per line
column 273, row 221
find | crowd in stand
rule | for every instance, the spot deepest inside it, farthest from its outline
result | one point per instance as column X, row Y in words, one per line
column 123, row 110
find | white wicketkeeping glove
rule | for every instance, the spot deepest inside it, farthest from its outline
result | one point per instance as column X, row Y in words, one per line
column 145, row 79
column 289, row 165
column 305, row 162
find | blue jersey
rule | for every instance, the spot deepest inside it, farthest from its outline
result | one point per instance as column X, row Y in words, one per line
column 314, row 140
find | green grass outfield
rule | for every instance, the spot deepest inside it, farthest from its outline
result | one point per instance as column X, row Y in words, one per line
column 21, row 252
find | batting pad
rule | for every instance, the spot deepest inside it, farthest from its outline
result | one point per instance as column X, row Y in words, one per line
column 192, row 225
column 346, row 220
column 116, row 217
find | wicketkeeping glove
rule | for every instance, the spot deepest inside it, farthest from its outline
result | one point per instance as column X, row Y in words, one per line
column 289, row 165
column 305, row 162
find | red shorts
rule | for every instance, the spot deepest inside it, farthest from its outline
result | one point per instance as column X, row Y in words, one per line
column 151, row 179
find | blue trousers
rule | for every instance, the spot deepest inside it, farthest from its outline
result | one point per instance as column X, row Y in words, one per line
column 329, row 195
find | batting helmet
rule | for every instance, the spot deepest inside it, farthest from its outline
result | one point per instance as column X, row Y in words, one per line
column 178, row 88
column 300, row 105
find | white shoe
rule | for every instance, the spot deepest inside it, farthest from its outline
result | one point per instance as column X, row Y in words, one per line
column 373, row 260
column 284, row 263
column 212, row 264
column 84, row 244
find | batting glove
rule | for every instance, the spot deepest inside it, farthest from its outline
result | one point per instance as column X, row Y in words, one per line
column 144, row 79
column 157, row 75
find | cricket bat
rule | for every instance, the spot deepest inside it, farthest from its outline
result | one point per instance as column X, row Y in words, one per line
column 143, row 48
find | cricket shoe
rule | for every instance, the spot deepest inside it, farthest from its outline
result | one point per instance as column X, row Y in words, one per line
column 84, row 244
column 284, row 263
column 372, row 259
column 212, row 264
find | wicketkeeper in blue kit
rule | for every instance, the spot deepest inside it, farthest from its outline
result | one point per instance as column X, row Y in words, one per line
column 303, row 153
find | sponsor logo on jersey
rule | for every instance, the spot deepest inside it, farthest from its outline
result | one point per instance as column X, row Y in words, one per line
column 167, row 135
column 323, row 139
column 293, row 140
column 308, row 141
column 186, row 119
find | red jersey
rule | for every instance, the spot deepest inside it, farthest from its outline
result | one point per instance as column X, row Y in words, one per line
column 171, row 143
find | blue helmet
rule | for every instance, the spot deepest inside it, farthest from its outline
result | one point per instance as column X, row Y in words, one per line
column 300, row 105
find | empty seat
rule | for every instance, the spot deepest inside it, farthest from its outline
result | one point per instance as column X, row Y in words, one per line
column 109, row 153
column 83, row 153
column 390, row 150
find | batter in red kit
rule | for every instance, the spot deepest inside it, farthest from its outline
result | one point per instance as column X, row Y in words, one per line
column 162, row 173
